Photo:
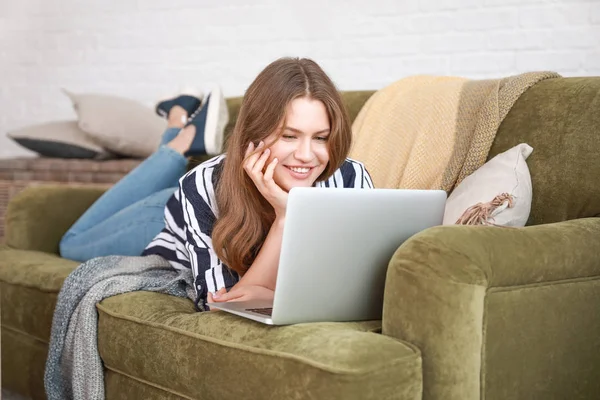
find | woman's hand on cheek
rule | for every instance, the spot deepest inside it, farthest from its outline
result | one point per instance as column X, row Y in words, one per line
column 262, row 177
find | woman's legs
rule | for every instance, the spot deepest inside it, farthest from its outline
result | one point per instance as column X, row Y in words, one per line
column 128, row 216
column 126, row 233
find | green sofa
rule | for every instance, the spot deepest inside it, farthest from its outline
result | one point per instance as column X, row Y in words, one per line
column 469, row 312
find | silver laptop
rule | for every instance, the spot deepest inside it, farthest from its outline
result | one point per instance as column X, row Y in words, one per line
column 336, row 247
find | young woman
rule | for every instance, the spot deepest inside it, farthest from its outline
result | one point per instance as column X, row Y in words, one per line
column 225, row 220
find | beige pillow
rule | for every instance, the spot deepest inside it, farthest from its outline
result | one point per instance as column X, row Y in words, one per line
column 120, row 125
column 60, row 139
column 487, row 194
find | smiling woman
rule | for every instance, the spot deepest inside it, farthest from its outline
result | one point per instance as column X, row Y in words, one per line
column 228, row 215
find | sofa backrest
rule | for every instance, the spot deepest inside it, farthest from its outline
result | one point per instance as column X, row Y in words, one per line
column 560, row 119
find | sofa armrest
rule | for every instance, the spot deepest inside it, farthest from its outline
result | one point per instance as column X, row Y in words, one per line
column 38, row 217
column 500, row 312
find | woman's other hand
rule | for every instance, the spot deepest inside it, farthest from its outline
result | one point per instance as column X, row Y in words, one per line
column 242, row 293
column 254, row 167
column 210, row 298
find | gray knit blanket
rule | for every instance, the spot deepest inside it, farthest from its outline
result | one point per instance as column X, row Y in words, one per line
column 74, row 368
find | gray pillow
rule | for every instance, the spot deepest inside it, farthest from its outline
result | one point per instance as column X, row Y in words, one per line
column 119, row 125
column 60, row 139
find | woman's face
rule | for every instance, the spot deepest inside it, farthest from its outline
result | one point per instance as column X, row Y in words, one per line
column 302, row 151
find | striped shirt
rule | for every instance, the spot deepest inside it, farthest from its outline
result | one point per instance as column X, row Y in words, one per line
column 191, row 212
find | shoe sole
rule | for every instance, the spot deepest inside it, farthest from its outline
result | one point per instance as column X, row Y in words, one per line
column 217, row 117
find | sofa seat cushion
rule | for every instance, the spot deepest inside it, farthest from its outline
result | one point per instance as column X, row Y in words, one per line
column 160, row 340
column 29, row 285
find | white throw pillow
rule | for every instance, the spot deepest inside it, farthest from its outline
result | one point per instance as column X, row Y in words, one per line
column 504, row 176
column 120, row 125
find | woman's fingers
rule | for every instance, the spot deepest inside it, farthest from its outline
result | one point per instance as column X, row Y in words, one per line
column 260, row 163
column 209, row 299
column 264, row 182
column 216, row 298
column 255, row 164
column 233, row 295
column 249, row 150
column 252, row 156
column 268, row 176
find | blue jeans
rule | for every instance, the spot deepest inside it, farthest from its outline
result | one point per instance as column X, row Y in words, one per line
column 130, row 214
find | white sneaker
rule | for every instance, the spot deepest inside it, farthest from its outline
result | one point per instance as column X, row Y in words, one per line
column 217, row 117
column 210, row 122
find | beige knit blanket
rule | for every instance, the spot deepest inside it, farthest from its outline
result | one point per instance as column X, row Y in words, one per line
column 430, row 132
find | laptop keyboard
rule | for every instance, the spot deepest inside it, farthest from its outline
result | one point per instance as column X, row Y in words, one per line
column 263, row 311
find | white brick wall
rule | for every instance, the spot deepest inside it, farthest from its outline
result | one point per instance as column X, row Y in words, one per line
column 144, row 48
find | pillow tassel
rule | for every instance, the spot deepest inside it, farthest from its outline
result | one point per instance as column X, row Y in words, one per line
column 480, row 213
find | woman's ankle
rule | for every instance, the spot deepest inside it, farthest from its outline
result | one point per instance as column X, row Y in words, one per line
column 177, row 117
column 182, row 142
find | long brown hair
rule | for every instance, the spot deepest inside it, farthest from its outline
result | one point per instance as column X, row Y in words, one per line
column 245, row 216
